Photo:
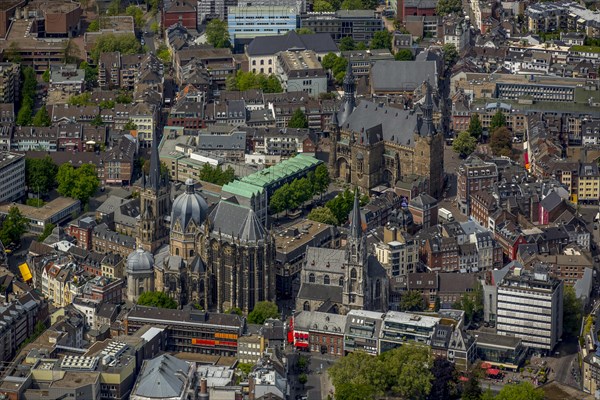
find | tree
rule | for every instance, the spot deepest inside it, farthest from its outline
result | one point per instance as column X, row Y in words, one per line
column 354, row 391
column 235, row 310
column 83, row 99
column 42, row 118
column 471, row 304
column 13, row 226
column 125, row 44
column 249, row 80
column 97, row 121
column 13, row 53
column 216, row 174
column 501, row 142
column 298, row 120
column 123, row 98
column 321, row 179
column 382, row 40
column 114, row 8
column 522, row 391
column 217, row 34
column 347, row 44
column 137, row 14
column 72, row 53
column 304, row 31
column 302, row 363
column 352, row 5
column 80, row 183
column 438, row 304
column 450, row 53
column 246, row 368
column 48, row 228
column 341, row 205
column 322, row 215
column 303, row 379
column 27, row 96
column 40, row 174
column 444, row 7
column 404, row 55
column 46, row 75
column 497, row 121
column 156, row 299
column 475, row 128
column 164, row 54
column 412, row 300
column 472, row 388
column 24, row 115
column 278, row 201
column 130, row 126
column 322, row 6
column 572, row 312
column 262, row 311
column 464, row 144
column 444, row 377
column 91, row 73
column 106, row 105
column 94, row 26
column 155, row 27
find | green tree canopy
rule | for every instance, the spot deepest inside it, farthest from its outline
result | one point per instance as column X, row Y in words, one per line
column 130, row 126
column 298, row 120
column 572, row 312
column 216, row 174
column 91, row 73
column 443, row 385
column 321, row 179
column 137, row 14
column 412, row 300
column 126, row 44
column 497, row 121
column 13, row 226
column 217, row 34
column 471, row 304
column 522, row 391
column 352, row 5
column 404, row 55
column 382, row 40
column 156, row 299
column 262, row 311
column 501, row 142
column 42, row 118
column 342, row 204
column 40, row 174
column 124, row 98
column 46, row 75
column 80, row 183
column 464, row 144
column 94, row 26
column 444, row 7
column 155, row 27
column 249, row 80
column 322, row 6
column 28, row 88
column 163, row 54
column 472, row 388
column 323, row 215
column 450, row 53
column 475, row 128
column 304, row 31
column 347, row 44
column 48, row 228
column 97, row 121
column 83, row 99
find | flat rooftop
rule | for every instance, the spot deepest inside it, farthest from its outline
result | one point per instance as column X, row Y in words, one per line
column 19, row 33
column 76, row 379
column 54, row 6
column 40, row 213
column 8, row 4
column 298, row 235
column 7, row 158
column 300, row 60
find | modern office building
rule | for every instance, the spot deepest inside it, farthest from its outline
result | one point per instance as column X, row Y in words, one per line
column 400, row 328
column 246, row 23
column 530, row 306
column 360, row 25
column 12, row 176
column 362, row 331
column 10, row 77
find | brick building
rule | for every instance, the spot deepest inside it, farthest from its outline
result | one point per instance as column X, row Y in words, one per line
column 82, row 231
column 183, row 12
column 474, row 174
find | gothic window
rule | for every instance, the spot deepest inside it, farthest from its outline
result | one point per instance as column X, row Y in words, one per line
column 140, row 290
column 306, row 306
column 326, row 280
column 177, row 251
column 311, row 278
column 201, row 286
column 341, row 281
column 359, row 165
column 353, row 276
column 191, row 253
column 377, row 289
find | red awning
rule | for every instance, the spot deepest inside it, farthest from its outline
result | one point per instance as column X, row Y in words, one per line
column 301, row 344
column 486, row 365
column 493, row 371
column 463, row 379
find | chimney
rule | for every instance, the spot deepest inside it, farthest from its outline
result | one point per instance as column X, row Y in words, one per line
column 203, row 395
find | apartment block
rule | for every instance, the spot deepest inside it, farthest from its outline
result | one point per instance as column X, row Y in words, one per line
column 246, row 23
column 10, row 78
column 530, row 306
column 12, row 176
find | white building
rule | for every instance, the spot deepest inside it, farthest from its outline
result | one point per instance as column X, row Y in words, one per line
column 530, row 306
column 399, row 258
column 12, row 176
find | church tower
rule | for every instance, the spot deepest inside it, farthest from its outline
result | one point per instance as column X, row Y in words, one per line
column 154, row 205
column 334, row 132
column 356, row 294
column 349, row 100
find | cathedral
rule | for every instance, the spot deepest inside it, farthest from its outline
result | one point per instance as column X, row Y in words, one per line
column 337, row 280
column 217, row 258
column 373, row 144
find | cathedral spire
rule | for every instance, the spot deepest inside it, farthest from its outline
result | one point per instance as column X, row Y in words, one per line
column 348, row 102
column 155, row 179
column 428, row 109
column 356, row 222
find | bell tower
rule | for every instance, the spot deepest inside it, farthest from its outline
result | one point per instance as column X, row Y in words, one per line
column 356, row 294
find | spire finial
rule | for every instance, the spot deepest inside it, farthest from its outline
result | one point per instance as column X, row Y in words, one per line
column 356, row 222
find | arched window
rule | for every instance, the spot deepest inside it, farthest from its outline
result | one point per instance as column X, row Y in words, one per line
column 377, row 289
column 253, row 62
column 191, row 253
column 326, row 280
column 353, row 273
column 177, row 251
column 353, row 276
column 311, row 278
column 341, row 282
column 306, row 306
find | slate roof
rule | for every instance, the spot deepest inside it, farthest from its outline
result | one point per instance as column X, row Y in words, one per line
column 163, row 377
column 232, row 219
column 401, row 75
column 396, row 125
column 318, row 292
column 325, row 259
column 266, row 45
column 551, row 201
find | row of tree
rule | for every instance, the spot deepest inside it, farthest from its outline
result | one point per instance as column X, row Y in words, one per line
column 334, row 5
column 216, row 175
column 125, row 44
column 291, row 195
column 249, row 80
column 28, row 89
column 410, row 372
column 336, row 210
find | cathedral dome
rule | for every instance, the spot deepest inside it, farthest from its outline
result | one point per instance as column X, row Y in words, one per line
column 189, row 206
column 140, row 261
